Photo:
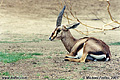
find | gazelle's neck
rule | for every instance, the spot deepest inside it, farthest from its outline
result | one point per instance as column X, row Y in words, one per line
column 68, row 40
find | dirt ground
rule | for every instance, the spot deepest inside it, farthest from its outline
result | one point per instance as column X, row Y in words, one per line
column 34, row 20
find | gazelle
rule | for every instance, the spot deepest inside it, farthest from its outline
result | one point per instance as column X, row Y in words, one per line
column 83, row 49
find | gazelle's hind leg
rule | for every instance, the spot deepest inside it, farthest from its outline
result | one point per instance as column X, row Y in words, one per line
column 83, row 54
column 76, row 51
column 78, row 54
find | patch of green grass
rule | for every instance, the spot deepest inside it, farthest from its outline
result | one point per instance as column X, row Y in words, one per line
column 115, row 43
column 38, row 74
column 13, row 57
column 60, row 79
column 61, row 52
column 67, row 66
column 86, row 68
column 6, row 74
column 36, row 54
column 24, row 41
column 49, row 57
column 103, row 66
column 46, row 77
column 78, row 63
column 81, row 79
column 34, row 66
column 57, row 53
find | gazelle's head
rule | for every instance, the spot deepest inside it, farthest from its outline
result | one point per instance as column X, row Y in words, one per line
column 58, row 32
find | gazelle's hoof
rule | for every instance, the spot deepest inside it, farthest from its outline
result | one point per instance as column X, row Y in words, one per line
column 66, row 59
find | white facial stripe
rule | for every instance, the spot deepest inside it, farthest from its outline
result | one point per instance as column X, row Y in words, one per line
column 98, row 56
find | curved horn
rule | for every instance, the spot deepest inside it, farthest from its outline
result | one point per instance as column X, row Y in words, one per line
column 59, row 19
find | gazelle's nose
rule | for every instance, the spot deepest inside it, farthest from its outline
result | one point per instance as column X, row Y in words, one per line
column 50, row 39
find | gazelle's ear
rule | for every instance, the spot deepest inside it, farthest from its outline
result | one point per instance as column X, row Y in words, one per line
column 73, row 26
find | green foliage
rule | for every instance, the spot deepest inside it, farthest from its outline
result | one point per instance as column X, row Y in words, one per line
column 116, row 43
column 13, row 57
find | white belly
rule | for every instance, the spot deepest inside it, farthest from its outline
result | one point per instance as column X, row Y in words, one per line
column 79, row 53
column 98, row 56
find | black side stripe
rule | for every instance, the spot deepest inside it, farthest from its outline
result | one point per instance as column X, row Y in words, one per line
column 96, row 53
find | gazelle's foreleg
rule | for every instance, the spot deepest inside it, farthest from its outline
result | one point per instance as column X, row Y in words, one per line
column 71, row 54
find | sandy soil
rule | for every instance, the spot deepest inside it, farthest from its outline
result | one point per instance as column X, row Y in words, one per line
column 31, row 20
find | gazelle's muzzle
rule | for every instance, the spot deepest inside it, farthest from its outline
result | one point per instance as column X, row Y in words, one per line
column 52, row 37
